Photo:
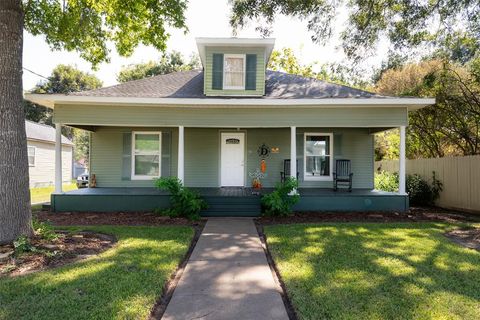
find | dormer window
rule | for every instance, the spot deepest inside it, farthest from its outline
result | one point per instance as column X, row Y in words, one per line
column 234, row 71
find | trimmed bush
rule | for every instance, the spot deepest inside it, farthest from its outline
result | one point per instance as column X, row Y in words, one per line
column 420, row 192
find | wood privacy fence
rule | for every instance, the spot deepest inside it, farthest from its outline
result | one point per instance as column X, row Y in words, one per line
column 460, row 177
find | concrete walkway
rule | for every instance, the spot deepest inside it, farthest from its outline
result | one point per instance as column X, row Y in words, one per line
column 227, row 276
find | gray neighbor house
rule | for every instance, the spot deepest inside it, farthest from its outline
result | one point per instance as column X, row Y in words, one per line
column 213, row 127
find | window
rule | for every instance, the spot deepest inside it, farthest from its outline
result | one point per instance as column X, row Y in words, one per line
column 318, row 156
column 146, row 155
column 234, row 71
column 31, row 156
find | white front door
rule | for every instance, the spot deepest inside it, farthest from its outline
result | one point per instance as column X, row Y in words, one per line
column 232, row 159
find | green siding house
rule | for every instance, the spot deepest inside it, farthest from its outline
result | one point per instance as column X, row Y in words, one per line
column 215, row 126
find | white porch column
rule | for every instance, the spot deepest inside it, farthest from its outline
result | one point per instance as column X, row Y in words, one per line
column 293, row 152
column 402, row 171
column 181, row 154
column 58, row 158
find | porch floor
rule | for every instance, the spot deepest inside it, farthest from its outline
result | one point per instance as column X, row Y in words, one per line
column 230, row 192
column 226, row 201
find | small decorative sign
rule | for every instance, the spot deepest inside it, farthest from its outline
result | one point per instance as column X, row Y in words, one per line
column 232, row 141
column 263, row 151
column 275, row 149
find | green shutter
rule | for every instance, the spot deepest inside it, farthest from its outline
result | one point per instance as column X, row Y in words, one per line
column 127, row 156
column 166, row 153
column 251, row 72
column 217, row 71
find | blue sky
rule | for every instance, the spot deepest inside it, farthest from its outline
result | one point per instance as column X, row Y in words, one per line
column 203, row 21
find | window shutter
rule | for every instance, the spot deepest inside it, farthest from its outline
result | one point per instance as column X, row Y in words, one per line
column 166, row 154
column 217, row 71
column 127, row 156
column 251, row 72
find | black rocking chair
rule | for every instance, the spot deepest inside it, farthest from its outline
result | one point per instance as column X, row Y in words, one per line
column 286, row 170
column 343, row 174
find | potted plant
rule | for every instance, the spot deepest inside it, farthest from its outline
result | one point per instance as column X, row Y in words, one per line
column 257, row 177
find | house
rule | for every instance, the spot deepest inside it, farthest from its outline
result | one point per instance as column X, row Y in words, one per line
column 41, row 155
column 212, row 127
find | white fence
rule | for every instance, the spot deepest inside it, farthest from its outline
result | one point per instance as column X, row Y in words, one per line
column 460, row 177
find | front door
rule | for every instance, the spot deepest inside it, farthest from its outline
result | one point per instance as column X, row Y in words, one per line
column 232, row 159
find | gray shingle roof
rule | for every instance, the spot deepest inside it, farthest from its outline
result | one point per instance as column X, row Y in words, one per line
column 43, row 132
column 189, row 84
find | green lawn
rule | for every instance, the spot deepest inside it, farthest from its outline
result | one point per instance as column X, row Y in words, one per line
column 376, row 271
column 43, row 194
column 121, row 283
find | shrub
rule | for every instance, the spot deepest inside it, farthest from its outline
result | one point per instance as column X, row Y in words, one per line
column 183, row 201
column 44, row 230
column 420, row 192
column 22, row 245
column 281, row 200
column 386, row 181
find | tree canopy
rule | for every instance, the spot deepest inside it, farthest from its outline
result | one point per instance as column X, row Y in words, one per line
column 169, row 62
column 406, row 23
column 452, row 125
column 87, row 26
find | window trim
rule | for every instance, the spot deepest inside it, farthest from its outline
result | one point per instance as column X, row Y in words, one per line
column 144, row 177
column 34, row 156
column 318, row 178
column 235, row 55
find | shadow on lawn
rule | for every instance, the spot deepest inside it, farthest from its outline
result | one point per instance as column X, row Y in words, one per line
column 367, row 271
column 123, row 282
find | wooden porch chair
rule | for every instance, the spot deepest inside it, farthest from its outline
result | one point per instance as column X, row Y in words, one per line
column 286, row 170
column 342, row 174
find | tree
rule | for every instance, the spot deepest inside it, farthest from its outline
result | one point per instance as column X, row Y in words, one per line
column 73, row 25
column 285, row 60
column 64, row 79
column 452, row 125
column 406, row 23
column 169, row 62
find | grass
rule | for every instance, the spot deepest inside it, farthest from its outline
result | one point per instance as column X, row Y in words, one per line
column 121, row 283
column 376, row 271
column 43, row 194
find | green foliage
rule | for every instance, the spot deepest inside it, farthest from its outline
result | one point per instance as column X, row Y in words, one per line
column 386, row 181
column 23, row 245
column 281, row 200
column 408, row 24
column 44, row 230
column 169, row 62
column 387, row 145
column 420, row 192
column 285, row 60
column 87, row 26
column 183, row 201
column 450, row 126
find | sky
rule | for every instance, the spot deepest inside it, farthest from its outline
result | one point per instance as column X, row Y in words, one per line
column 203, row 21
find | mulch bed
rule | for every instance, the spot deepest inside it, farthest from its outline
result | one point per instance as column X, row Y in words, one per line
column 413, row 215
column 467, row 237
column 108, row 218
column 67, row 248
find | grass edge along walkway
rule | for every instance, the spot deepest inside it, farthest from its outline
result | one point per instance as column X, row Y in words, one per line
column 376, row 271
column 123, row 282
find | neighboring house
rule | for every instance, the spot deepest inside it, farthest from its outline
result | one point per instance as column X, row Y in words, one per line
column 213, row 127
column 41, row 155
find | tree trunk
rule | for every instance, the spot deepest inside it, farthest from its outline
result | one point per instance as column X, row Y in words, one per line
column 15, row 212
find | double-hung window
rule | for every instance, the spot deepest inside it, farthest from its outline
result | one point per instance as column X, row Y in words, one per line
column 146, row 155
column 234, row 71
column 318, row 149
column 31, row 156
